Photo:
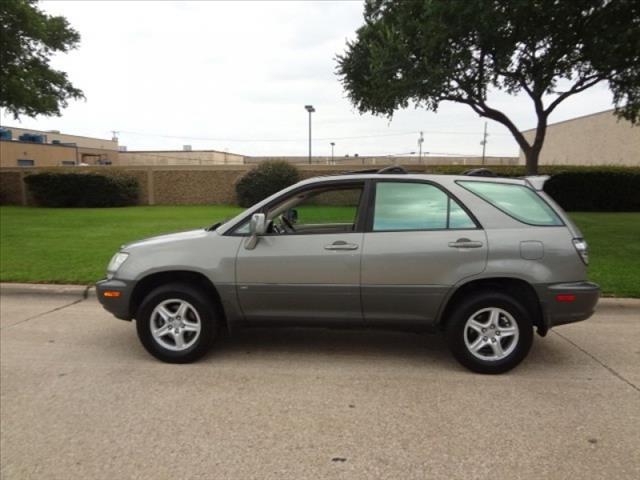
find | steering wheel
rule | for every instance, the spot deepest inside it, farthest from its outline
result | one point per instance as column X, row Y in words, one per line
column 287, row 223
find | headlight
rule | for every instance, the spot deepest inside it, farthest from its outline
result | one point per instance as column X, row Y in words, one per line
column 116, row 261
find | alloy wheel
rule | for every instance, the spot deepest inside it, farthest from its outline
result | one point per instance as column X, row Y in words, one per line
column 175, row 324
column 491, row 334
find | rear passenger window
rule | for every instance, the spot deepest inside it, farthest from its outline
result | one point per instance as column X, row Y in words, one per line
column 518, row 201
column 458, row 218
column 416, row 206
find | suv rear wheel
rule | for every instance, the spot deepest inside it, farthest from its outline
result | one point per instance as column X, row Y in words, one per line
column 177, row 323
column 489, row 332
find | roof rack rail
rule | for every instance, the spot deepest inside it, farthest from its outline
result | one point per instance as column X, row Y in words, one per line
column 392, row 169
column 480, row 172
column 358, row 172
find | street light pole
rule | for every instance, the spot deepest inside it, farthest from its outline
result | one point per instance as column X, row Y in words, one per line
column 310, row 109
column 420, row 142
column 333, row 144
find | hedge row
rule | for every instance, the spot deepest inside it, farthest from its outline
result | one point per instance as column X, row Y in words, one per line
column 575, row 188
column 50, row 189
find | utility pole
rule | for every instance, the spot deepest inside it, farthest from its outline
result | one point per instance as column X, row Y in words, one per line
column 420, row 142
column 310, row 109
column 333, row 144
column 114, row 137
column 484, row 142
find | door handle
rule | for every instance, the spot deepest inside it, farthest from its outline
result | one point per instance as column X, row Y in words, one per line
column 341, row 245
column 465, row 243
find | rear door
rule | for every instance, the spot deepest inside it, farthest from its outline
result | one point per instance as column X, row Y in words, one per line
column 419, row 241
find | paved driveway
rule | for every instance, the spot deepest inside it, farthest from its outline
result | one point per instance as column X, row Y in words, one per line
column 81, row 399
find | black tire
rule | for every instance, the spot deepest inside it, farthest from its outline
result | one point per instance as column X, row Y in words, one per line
column 205, row 308
column 457, row 329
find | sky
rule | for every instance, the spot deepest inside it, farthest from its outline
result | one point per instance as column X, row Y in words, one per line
column 235, row 76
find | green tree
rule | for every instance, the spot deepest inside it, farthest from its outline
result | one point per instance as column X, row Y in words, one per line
column 28, row 38
column 429, row 51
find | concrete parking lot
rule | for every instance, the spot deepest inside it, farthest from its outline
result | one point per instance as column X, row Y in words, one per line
column 80, row 398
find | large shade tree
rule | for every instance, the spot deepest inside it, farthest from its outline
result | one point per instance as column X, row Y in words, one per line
column 429, row 51
column 28, row 38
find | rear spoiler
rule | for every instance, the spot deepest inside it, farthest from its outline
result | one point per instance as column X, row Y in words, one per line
column 536, row 181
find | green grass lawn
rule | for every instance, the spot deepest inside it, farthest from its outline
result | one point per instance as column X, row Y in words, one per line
column 614, row 250
column 74, row 245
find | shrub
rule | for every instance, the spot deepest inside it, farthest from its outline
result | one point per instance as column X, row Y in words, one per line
column 578, row 188
column 50, row 189
column 607, row 190
column 265, row 180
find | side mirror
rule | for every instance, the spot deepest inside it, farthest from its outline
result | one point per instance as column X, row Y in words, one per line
column 257, row 227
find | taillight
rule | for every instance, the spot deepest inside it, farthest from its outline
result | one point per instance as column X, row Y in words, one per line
column 582, row 248
column 565, row 297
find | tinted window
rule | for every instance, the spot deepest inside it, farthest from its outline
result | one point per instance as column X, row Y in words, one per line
column 520, row 202
column 416, row 206
column 458, row 218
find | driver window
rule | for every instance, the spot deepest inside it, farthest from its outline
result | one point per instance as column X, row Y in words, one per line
column 322, row 210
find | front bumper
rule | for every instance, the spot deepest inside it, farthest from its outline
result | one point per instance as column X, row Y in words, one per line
column 119, row 306
column 567, row 302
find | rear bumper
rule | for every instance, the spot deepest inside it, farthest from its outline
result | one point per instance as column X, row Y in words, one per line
column 564, row 303
column 119, row 306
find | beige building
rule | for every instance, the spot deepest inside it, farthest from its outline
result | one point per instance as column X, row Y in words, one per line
column 54, row 136
column 179, row 157
column 53, row 149
column 596, row 139
column 36, row 148
column 368, row 160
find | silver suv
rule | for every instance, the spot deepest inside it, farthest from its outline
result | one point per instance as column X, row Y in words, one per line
column 483, row 259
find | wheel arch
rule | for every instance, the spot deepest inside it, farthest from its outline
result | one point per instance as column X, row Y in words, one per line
column 192, row 278
column 519, row 288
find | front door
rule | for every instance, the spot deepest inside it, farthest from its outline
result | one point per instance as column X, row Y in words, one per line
column 306, row 269
column 419, row 242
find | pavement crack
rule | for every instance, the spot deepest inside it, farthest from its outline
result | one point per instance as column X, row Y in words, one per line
column 600, row 362
column 45, row 313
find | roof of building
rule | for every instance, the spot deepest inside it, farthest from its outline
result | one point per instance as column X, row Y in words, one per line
column 56, row 132
column 174, row 151
column 181, row 151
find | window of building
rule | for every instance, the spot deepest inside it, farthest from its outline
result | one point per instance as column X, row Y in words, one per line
column 23, row 162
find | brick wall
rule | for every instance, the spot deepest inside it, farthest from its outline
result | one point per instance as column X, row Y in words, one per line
column 170, row 185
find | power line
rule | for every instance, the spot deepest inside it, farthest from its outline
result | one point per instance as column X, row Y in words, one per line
column 282, row 140
column 211, row 139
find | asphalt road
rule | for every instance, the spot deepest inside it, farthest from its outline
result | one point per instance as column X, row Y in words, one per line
column 80, row 398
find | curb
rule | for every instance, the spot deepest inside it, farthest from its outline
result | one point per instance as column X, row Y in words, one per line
column 614, row 303
column 43, row 289
column 89, row 291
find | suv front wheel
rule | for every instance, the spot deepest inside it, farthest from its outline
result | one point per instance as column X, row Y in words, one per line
column 177, row 323
column 489, row 332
